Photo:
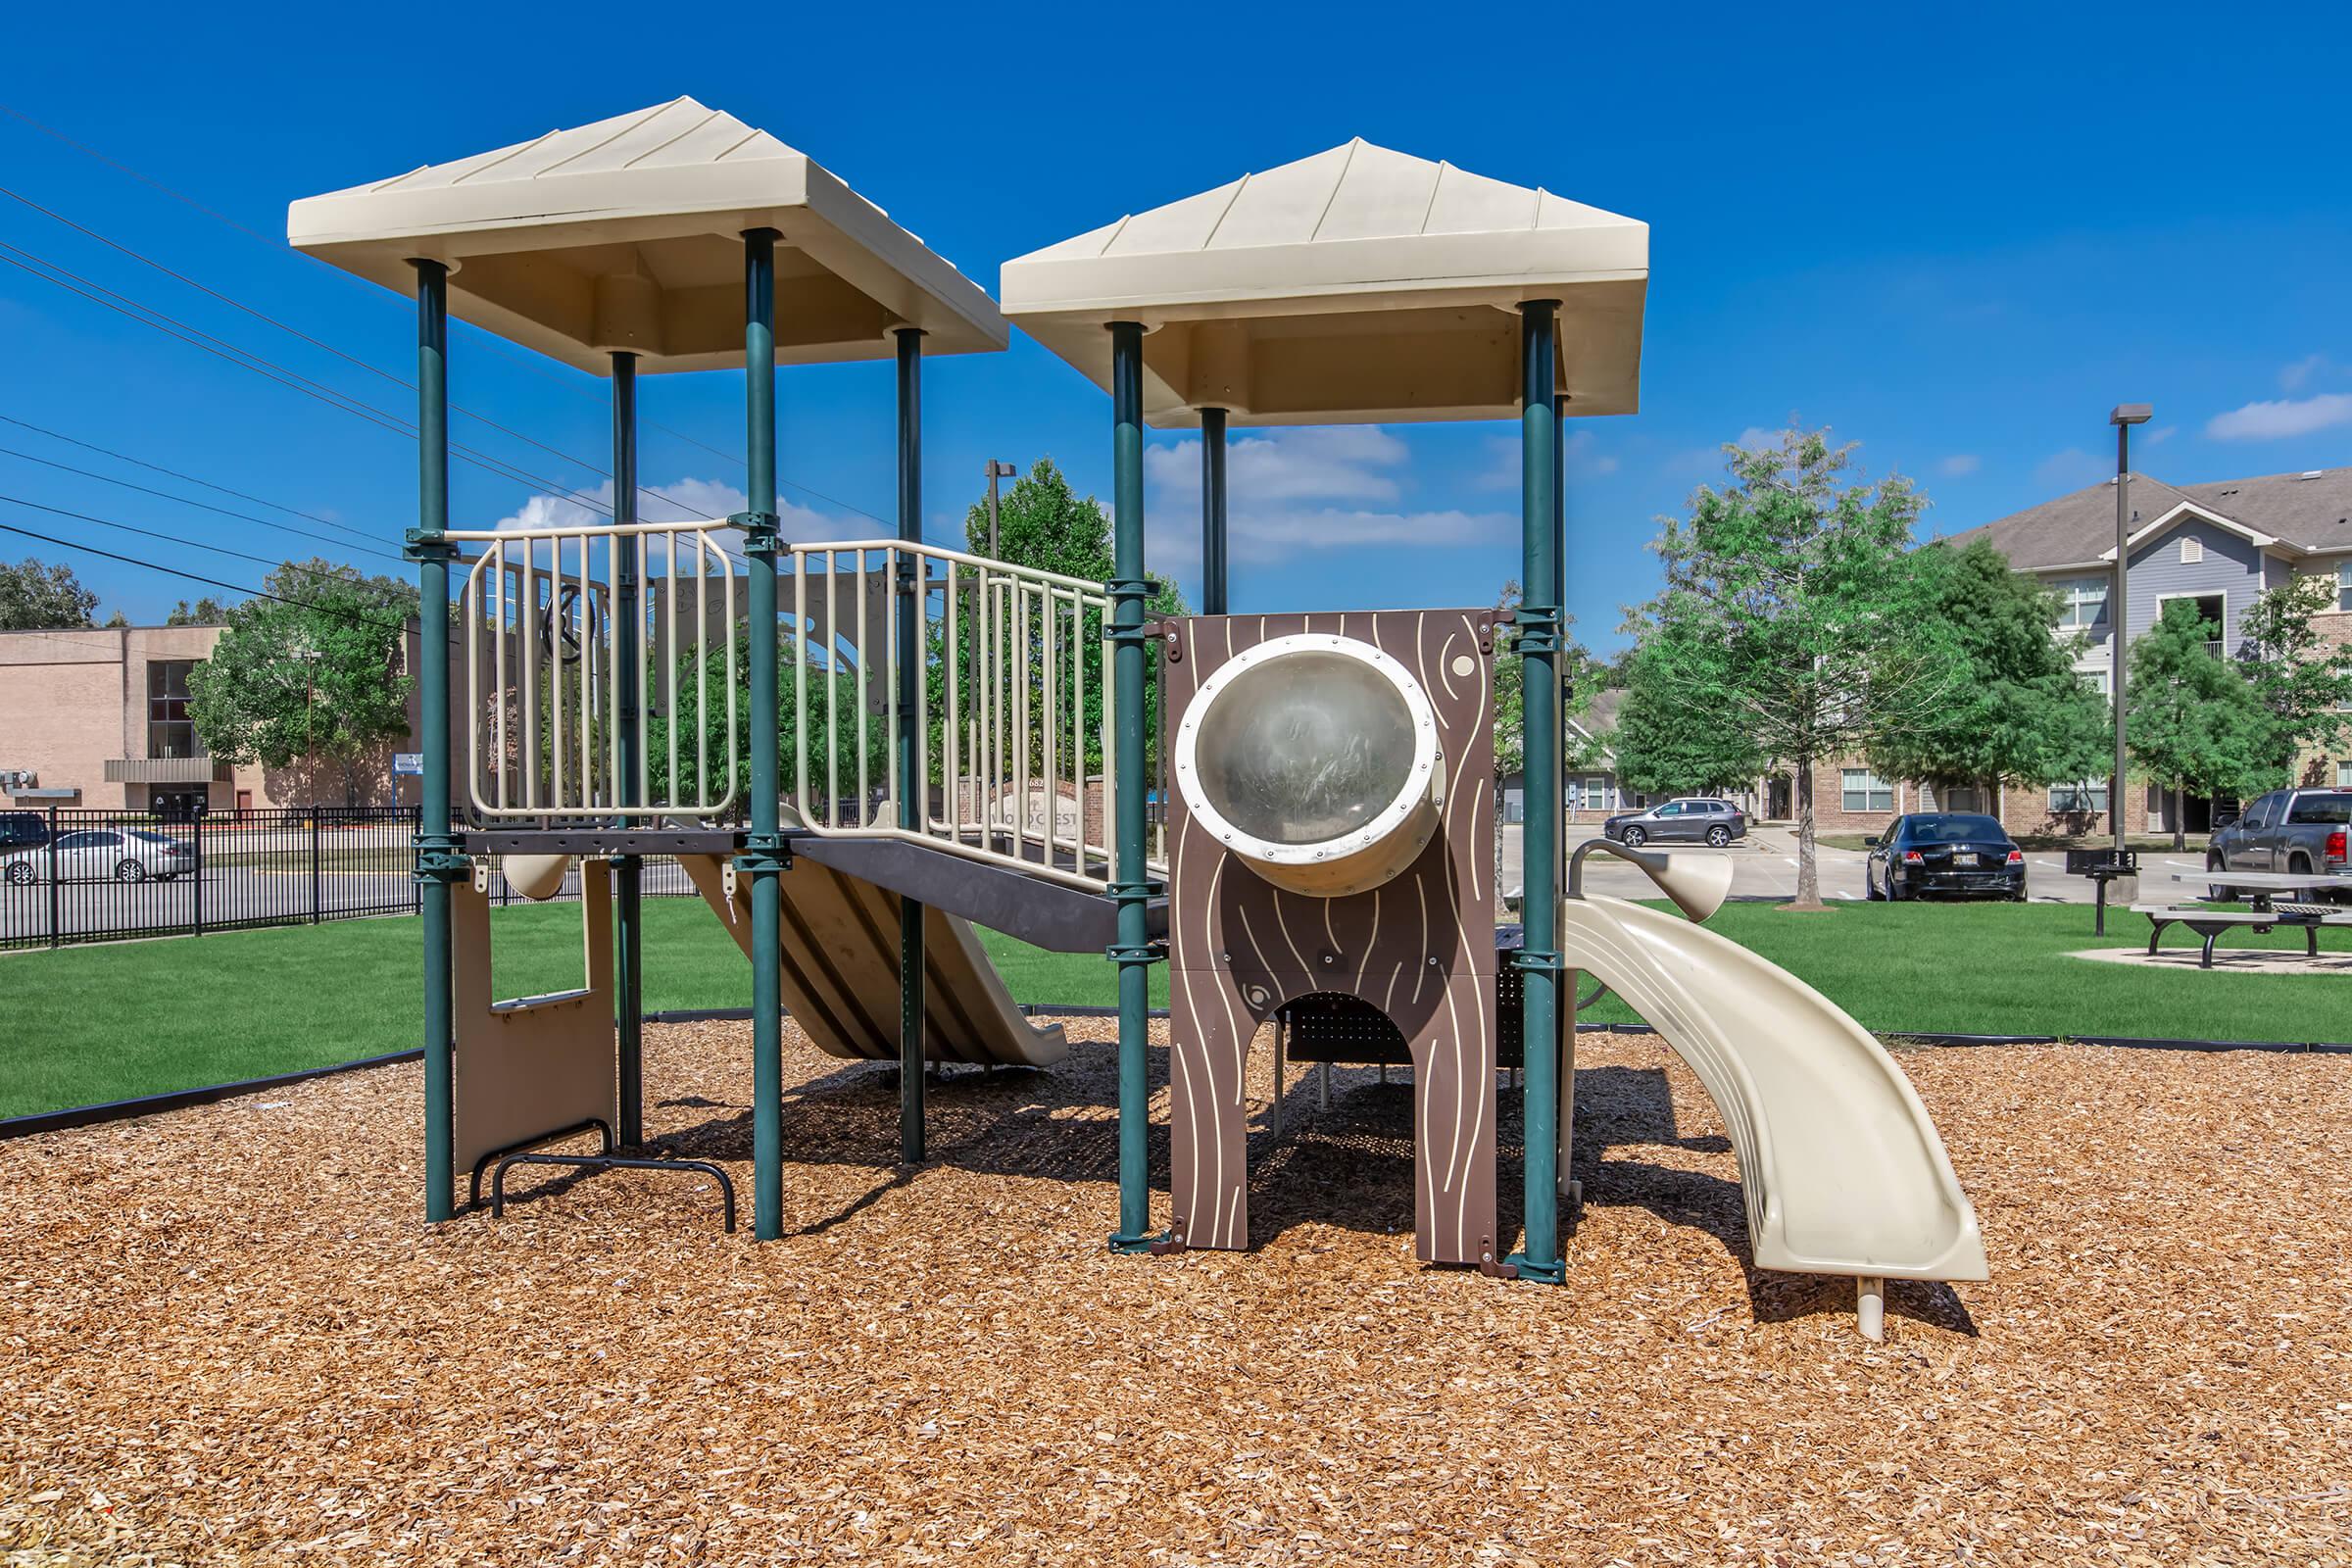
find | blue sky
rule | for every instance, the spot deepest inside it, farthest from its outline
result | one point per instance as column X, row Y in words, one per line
column 1957, row 237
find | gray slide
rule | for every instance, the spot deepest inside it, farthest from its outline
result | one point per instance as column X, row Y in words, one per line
column 841, row 970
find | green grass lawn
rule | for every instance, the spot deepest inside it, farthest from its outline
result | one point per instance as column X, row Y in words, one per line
column 115, row 1020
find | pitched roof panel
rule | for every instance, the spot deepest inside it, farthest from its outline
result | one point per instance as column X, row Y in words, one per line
column 625, row 234
column 1355, row 284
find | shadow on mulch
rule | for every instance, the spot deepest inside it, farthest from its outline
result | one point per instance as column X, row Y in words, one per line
column 1351, row 1166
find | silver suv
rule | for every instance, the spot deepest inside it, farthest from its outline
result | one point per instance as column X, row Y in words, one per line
column 1692, row 819
column 2294, row 832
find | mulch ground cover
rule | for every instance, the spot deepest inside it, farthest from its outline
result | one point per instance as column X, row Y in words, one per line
column 226, row 1336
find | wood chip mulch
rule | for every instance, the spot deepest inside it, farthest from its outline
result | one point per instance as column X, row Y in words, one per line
column 228, row 1338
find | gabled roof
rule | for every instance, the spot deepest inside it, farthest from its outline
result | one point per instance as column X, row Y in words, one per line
column 625, row 234
column 1358, row 284
column 2286, row 513
column 2186, row 510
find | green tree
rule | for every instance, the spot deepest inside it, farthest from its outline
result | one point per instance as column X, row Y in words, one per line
column 1582, row 677
column 1665, row 746
column 2193, row 723
column 2303, row 682
column 701, row 730
column 2017, row 713
column 311, row 673
column 1790, row 614
column 36, row 597
column 204, row 611
column 1043, row 524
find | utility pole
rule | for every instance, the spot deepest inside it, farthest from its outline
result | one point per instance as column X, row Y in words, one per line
column 995, row 470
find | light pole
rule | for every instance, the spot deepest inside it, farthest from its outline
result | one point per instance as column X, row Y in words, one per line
column 2125, row 417
column 995, row 470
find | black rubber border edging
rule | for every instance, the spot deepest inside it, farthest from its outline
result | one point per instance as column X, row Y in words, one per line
column 53, row 1121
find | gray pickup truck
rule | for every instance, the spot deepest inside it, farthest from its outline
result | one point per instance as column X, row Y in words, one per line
column 2286, row 831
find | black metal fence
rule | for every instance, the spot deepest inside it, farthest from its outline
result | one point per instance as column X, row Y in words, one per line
column 70, row 877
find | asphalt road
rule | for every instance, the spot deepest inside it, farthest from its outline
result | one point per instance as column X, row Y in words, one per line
column 231, row 895
column 1764, row 866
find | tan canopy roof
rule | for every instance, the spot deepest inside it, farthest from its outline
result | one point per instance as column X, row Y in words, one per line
column 1356, row 285
column 623, row 234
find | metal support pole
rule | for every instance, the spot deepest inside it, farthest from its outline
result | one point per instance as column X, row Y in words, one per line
column 995, row 470
column 1132, row 951
column 628, row 665
column 437, row 863
column 762, row 856
column 912, row 785
column 1539, row 623
column 2117, row 620
column 1213, row 513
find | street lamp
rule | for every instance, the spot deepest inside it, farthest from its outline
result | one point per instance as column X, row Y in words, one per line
column 2125, row 417
column 995, row 470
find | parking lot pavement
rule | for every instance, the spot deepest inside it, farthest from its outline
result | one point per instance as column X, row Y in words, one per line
column 1764, row 866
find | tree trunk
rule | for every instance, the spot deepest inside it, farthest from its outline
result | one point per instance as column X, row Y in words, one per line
column 2180, row 818
column 1808, row 869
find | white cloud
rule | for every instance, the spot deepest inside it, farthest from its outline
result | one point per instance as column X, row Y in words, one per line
column 1340, row 462
column 1272, row 535
column 2161, row 434
column 1755, row 438
column 682, row 501
column 2296, row 376
column 2072, row 470
column 1301, row 491
column 1959, row 466
column 1582, row 459
column 2281, row 418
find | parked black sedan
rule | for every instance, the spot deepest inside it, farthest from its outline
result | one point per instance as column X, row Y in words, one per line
column 1946, row 851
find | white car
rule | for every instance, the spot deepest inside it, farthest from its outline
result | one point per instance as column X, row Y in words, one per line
column 100, row 854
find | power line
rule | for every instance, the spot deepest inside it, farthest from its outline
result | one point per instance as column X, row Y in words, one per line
column 210, row 582
column 185, row 478
column 279, row 246
column 86, row 473
column 174, row 539
column 245, row 359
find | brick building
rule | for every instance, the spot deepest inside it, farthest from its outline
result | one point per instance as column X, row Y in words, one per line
column 98, row 719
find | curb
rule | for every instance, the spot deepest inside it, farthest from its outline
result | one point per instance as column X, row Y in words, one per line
column 72, row 1116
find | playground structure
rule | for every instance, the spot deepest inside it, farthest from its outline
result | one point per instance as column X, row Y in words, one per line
column 969, row 735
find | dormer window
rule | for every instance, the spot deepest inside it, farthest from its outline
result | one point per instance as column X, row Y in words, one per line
column 2192, row 551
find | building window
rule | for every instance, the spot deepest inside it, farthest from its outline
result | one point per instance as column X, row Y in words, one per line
column 1861, row 790
column 2343, row 775
column 2087, row 797
column 2082, row 603
column 168, row 731
column 2343, row 588
column 2192, row 551
column 2101, row 681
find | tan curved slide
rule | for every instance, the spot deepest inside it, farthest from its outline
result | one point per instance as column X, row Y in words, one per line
column 841, row 970
column 1842, row 1171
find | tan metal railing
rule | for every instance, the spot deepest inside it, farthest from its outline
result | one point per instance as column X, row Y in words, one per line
column 1012, row 741
column 542, row 684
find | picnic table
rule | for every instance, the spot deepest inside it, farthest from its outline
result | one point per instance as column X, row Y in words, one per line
column 2266, row 910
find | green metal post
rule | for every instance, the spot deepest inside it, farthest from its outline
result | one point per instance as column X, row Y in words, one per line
column 437, row 863
column 1132, row 951
column 911, row 720
column 762, row 859
column 628, row 658
column 1213, row 513
column 1539, row 624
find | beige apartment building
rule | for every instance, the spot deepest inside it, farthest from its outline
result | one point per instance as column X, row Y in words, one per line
column 98, row 719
